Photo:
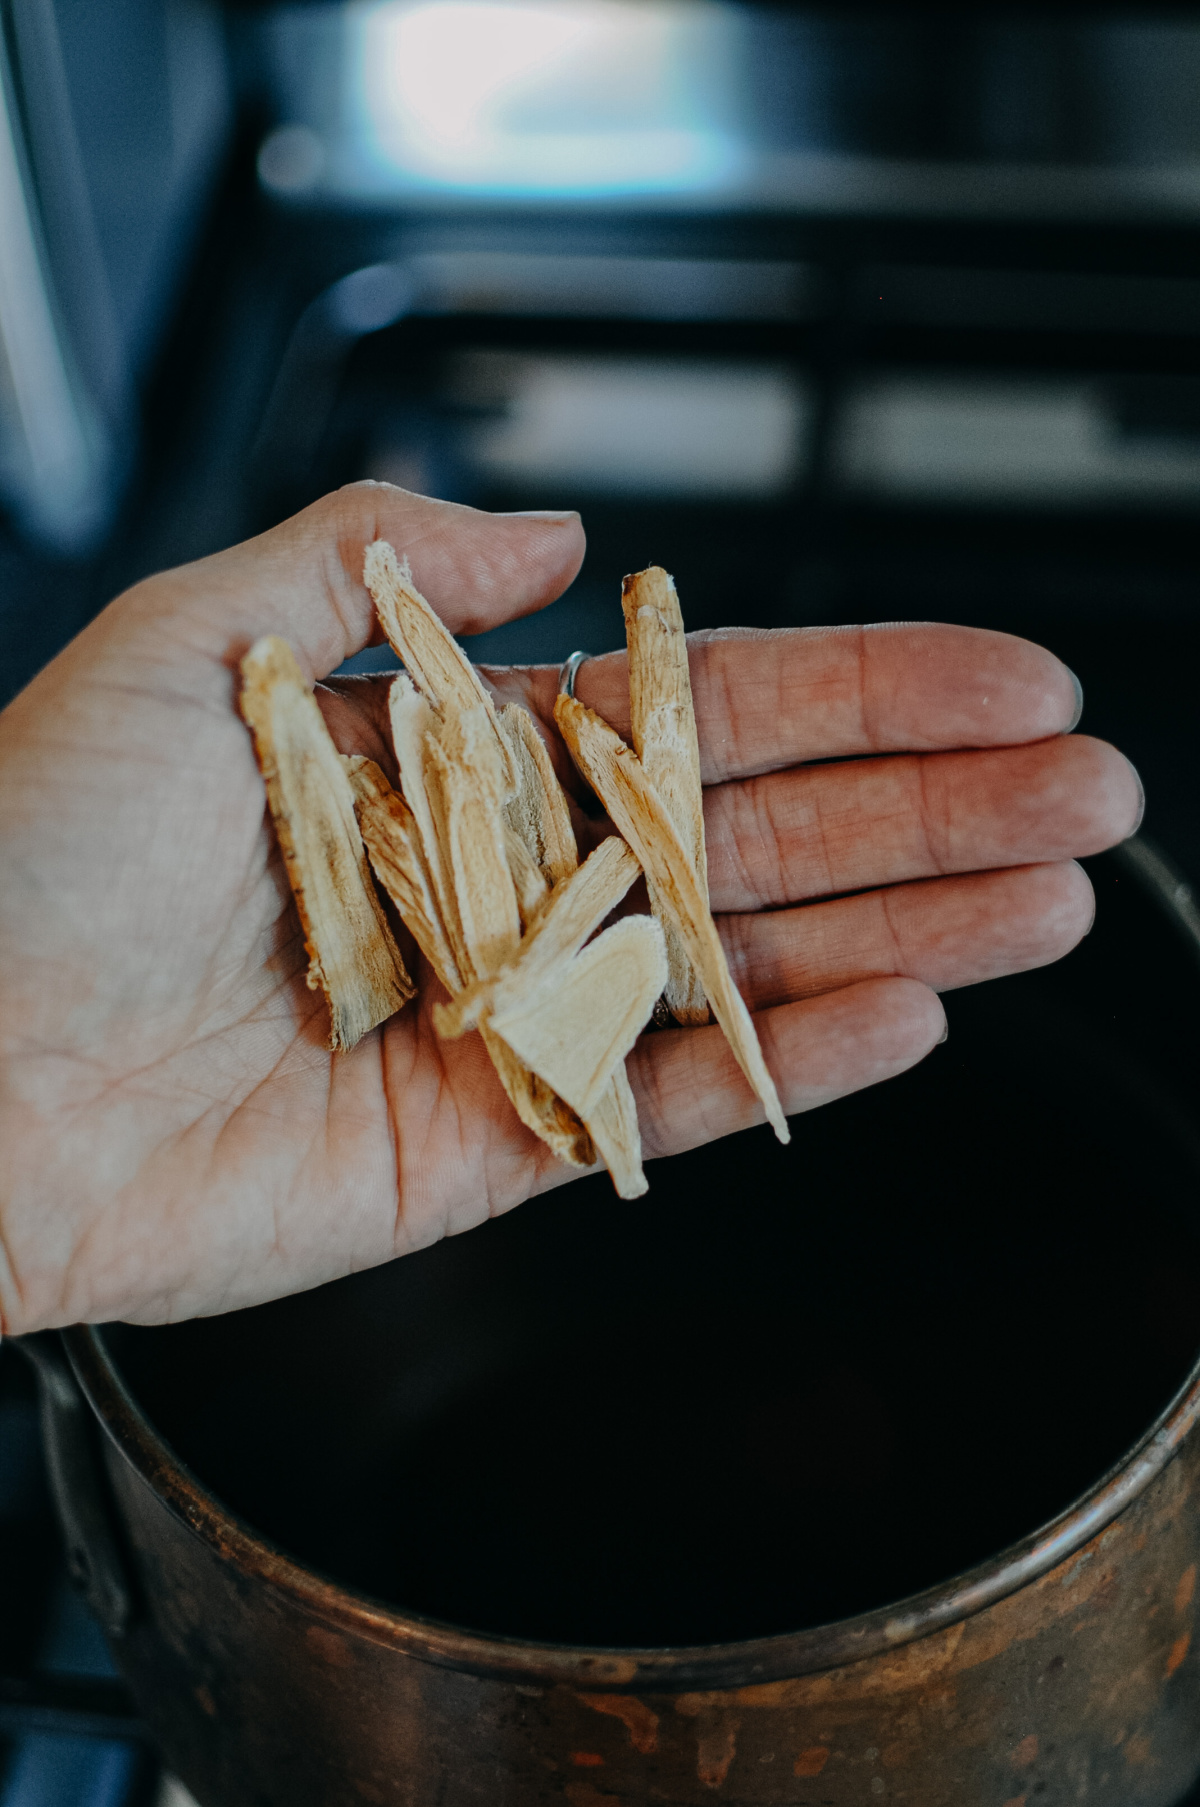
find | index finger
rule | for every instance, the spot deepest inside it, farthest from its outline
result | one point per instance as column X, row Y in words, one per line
column 768, row 698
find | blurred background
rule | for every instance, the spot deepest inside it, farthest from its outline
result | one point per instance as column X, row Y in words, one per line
column 840, row 313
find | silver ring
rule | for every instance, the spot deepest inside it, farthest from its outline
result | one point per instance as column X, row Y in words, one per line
column 569, row 673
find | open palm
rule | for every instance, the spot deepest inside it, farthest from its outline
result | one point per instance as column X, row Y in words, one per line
column 174, row 1138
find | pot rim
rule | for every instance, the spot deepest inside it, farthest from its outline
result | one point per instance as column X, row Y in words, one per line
column 668, row 1668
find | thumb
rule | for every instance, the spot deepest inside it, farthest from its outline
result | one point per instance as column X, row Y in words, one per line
column 303, row 579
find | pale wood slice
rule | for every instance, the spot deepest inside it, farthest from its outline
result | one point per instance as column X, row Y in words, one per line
column 432, row 656
column 575, row 909
column 537, row 811
column 532, row 889
column 456, row 780
column 393, row 842
column 353, row 957
column 390, row 832
column 615, row 773
column 471, row 820
column 664, row 738
column 414, row 724
column 575, row 1032
column 537, row 1105
column 613, row 1127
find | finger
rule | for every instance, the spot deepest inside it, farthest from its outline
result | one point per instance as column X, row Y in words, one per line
column 821, row 829
column 768, row 699
column 946, row 932
column 690, row 1089
column 303, row 579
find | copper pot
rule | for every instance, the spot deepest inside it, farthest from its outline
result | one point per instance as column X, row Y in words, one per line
column 610, row 1504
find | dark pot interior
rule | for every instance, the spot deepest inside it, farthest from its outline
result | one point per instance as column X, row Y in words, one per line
column 789, row 1385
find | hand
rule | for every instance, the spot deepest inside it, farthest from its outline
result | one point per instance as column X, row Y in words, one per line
column 175, row 1138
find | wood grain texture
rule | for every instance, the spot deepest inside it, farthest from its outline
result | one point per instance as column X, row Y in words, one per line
column 578, row 1025
column 616, row 775
column 574, row 911
column 663, row 722
column 537, row 810
column 353, row 957
column 472, row 853
column 431, row 655
column 393, row 842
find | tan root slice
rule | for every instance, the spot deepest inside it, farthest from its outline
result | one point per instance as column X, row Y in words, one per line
column 575, row 910
column 535, row 980
column 413, row 724
column 439, row 667
column 537, row 1106
column 393, row 842
column 537, row 811
column 353, row 957
column 573, row 1032
column 470, row 818
column 532, row 889
column 458, row 771
column 664, row 738
column 615, row 773
column 614, row 1129
column 399, row 854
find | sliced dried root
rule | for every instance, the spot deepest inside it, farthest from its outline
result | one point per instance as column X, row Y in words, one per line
column 353, row 957
column 434, row 660
column 537, row 811
column 400, row 859
column 614, row 1129
column 575, row 910
column 572, row 1017
column 577, row 1027
column 616, row 775
column 664, row 738
column 394, row 844
column 469, row 814
column 537, row 1105
column 479, row 856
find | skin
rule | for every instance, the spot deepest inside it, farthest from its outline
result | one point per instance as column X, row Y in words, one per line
column 176, row 1140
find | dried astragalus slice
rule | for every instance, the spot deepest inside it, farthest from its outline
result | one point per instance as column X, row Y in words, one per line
column 353, row 957
column 536, row 976
column 575, row 910
column 664, row 738
column 401, row 858
column 470, row 817
column 397, row 855
column 532, row 889
column 538, row 1106
column 575, row 1031
column 537, row 811
column 415, row 728
column 490, row 817
column 432, row 656
column 615, row 773
column 613, row 1127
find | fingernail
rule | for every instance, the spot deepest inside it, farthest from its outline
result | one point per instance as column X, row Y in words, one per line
column 944, row 1036
column 558, row 515
column 1075, row 719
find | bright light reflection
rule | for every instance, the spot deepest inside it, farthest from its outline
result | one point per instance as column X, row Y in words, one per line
column 548, row 96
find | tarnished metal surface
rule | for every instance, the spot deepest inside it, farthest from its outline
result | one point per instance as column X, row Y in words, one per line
column 268, row 1686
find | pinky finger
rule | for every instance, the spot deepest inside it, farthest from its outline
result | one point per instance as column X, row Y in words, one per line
column 690, row 1090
